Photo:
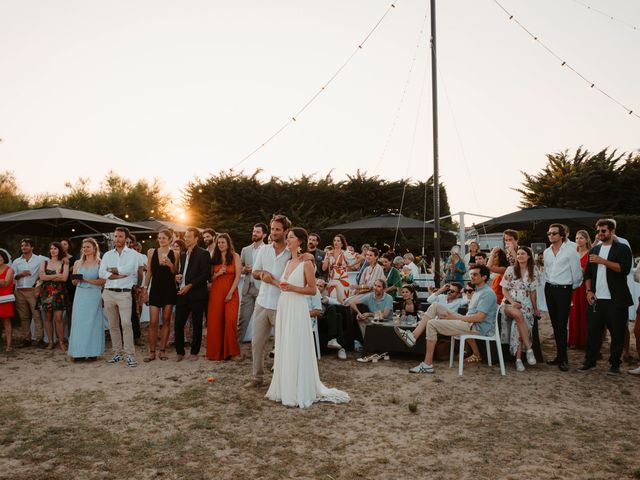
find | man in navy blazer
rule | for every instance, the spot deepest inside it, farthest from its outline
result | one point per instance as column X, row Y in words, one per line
column 608, row 295
column 193, row 294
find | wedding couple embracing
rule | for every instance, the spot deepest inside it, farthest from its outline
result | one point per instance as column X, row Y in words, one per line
column 287, row 275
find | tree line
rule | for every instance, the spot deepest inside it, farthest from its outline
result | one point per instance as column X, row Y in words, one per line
column 605, row 182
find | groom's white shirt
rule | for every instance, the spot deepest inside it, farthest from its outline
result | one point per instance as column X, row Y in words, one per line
column 266, row 259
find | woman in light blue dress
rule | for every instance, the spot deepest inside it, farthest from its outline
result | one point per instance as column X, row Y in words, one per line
column 87, row 328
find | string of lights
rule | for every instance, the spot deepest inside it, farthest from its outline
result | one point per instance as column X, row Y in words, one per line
column 294, row 117
column 564, row 63
column 403, row 95
column 604, row 14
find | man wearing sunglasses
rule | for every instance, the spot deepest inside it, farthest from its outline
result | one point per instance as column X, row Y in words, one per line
column 608, row 295
column 562, row 274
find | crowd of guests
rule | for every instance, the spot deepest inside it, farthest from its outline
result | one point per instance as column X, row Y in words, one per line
column 195, row 281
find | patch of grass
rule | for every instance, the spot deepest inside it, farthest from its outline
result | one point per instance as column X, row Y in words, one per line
column 86, row 398
column 394, row 400
column 636, row 473
column 413, row 406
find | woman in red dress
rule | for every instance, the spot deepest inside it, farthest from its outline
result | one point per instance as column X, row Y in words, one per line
column 578, row 313
column 6, row 303
column 222, row 315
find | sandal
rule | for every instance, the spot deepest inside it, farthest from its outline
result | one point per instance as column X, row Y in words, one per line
column 380, row 356
column 163, row 355
column 366, row 359
column 473, row 358
column 151, row 357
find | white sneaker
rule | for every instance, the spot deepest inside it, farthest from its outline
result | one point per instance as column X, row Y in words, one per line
column 342, row 354
column 635, row 371
column 519, row 365
column 531, row 357
column 405, row 335
column 422, row 368
column 333, row 344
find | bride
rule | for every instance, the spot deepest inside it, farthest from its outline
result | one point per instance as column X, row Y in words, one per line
column 296, row 381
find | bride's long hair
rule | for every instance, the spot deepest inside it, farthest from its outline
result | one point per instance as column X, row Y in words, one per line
column 302, row 235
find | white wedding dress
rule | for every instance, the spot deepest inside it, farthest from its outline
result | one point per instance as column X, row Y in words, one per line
column 296, row 381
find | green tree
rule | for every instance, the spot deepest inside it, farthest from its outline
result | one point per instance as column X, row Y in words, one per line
column 11, row 198
column 233, row 202
column 584, row 181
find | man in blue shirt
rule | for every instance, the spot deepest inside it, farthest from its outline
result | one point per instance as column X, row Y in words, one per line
column 379, row 303
column 480, row 317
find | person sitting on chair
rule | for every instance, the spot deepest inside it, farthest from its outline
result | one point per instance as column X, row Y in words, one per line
column 481, row 314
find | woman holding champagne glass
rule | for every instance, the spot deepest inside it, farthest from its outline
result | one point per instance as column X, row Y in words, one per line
column 162, row 295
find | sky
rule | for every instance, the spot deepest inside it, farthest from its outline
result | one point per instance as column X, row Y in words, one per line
column 176, row 90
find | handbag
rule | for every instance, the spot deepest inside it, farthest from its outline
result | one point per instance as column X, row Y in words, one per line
column 7, row 298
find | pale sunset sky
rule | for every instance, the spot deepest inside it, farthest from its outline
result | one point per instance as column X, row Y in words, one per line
column 179, row 89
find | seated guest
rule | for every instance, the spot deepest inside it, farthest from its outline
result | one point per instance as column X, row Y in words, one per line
column 86, row 339
column 379, row 304
column 480, row 318
column 449, row 295
column 409, row 262
column 409, row 304
column 468, row 291
column 405, row 272
column 323, row 307
column 371, row 272
column 394, row 279
column 519, row 285
column 451, row 301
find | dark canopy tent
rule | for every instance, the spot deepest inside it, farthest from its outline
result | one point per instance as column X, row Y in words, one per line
column 535, row 218
column 155, row 225
column 383, row 222
column 57, row 221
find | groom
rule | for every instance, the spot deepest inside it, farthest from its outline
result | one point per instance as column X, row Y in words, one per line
column 268, row 267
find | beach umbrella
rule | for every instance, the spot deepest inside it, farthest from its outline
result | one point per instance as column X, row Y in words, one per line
column 534, row 217
column 57, row 221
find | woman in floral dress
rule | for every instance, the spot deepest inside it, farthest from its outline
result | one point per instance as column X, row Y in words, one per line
column 337, row 261
column 519, row 284
column 53, row 292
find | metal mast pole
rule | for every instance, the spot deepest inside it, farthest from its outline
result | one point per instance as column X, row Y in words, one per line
column 436, row 180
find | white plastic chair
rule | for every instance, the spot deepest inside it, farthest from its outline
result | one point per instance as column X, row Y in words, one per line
column 493, row 338
column 316, row 335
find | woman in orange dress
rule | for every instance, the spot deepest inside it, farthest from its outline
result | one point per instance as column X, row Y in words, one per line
column 222, row 315
column 578, row 313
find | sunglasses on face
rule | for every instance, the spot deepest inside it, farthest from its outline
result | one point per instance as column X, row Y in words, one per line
column 468, row 290
column 549, row 234
column 602, row 230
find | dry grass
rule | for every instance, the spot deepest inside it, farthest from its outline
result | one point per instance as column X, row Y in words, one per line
column 163, row 420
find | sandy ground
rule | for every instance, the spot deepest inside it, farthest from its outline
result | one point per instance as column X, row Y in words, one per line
column 62, row 420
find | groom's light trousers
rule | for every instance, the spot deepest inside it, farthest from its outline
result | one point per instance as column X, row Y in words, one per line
column 263, row 320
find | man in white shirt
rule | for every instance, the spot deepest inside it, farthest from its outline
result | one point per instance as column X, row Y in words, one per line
column 119, row 268
column 27, row 269
column 268, row 268
column 562, row 274
column 450, row 295
column 250, row 285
